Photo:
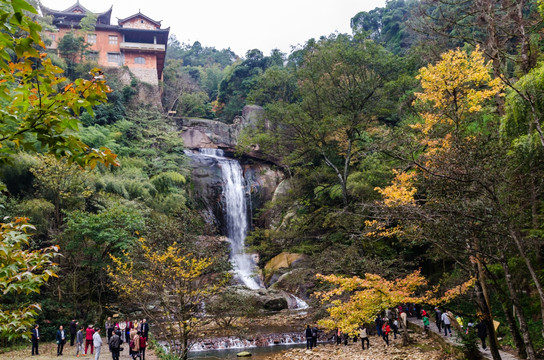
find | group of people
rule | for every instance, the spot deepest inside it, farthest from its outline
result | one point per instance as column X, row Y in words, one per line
column 311, row 336
column 117, row 333
column 389, row 322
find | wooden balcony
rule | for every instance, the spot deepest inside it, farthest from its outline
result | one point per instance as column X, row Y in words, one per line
column 142, row 46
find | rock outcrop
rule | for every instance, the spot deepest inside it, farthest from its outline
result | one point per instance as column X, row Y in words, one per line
column 203, row 133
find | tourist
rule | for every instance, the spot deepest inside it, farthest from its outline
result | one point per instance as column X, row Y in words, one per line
column 145, row 328
column 109, row 328
column 446, row 322
column 315, row 331
column 417, row 309
column 60, row 337
column 338, row 336
column 459, row 321
column 134, row 346
column 73, row 331
column 363, row 334
column 379, row 324
column 115, row 345
column 426, row 323
column 438, row 317
column 89, row 339
column 386, row 329
column 143, row 345
column 79, row 342
column 482, row 333
column 132, row 333
column 97, row 342
column 395, row 328
column 128, row 330
column 123, row 328
column 309, row 340
column 35, row 338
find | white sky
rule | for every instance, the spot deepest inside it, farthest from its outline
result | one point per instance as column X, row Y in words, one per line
column 239, row 24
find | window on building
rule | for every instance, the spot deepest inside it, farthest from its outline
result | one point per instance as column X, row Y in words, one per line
column 53, row 37
column 139, row 60
column 92, row 56
column 113, row 39
column 91, row 38
column 114, row 58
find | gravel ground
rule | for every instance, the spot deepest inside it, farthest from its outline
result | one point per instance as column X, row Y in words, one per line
column 48, row 351
column 422, row 349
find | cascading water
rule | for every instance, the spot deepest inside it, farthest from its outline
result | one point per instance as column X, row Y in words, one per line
column 235, row 201
column 237, row 225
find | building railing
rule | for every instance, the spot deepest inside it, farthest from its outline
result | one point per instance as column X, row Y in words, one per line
column 143, row 46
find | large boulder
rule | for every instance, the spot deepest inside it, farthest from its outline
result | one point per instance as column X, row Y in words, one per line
column 280, row 264
column 283, row 260
column 269, row 299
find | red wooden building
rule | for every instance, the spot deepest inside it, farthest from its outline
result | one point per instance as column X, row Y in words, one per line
column 137, row 42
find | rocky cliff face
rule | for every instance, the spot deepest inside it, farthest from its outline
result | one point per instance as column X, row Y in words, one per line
column 262, row 178
column 203, row 133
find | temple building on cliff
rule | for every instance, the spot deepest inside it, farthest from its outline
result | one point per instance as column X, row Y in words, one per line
column 137, row 42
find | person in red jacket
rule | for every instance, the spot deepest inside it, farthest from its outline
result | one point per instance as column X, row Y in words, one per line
column 143, row 345
column 89, row 339
column 386, row 329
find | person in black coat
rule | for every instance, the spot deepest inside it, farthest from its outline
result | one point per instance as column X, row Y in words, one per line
column 309, row 340
column 61, row 340
column 145, row 328
column 73, row 332
column 35, row 338
column 482, row 333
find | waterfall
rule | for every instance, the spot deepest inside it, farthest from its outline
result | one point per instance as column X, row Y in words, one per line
column 236, row 214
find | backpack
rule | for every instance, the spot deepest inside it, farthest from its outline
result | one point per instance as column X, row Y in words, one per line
column 131, row 344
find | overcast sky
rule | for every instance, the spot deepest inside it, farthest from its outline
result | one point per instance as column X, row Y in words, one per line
column 239, row 24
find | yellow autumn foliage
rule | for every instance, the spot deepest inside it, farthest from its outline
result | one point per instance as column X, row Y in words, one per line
column 459, row 82
column 401, row 192
column 356, row 301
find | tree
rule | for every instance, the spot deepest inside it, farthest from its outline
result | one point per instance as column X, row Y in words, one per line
column 168, row 286
column 38, row 108
column 22, row 271
column 357, row 301
column 65, row 185
column 340, row 81
column 467, row 206
column 38, row 113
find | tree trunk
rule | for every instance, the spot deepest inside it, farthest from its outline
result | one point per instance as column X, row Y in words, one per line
column 405, row 336
column 488, row 321
column 529, row 349
column 513, row 327
column 534, row 276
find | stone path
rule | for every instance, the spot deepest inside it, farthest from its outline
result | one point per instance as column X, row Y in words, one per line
column 456, row 340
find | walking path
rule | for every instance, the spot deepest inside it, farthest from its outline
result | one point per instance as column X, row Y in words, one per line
column 48, row 351
column 454, row 339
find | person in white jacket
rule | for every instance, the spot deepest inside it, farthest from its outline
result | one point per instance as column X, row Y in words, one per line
column 97, row 342
column 446, row 321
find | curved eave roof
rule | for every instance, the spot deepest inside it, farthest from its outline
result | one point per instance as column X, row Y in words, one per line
column 139, row 14
column 104, row 17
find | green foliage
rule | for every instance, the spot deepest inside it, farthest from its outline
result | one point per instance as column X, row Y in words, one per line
column 22, row 272
column 388, row 25
column 240, row 79
column 230, row 306
column 519, row 119
column 196, row 55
